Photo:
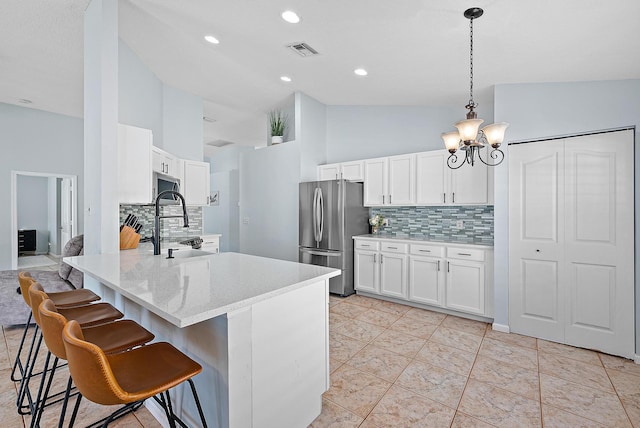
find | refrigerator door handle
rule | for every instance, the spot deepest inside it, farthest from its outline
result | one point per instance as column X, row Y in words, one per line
column 315, row 219
column 322, row 253
column 321, row 223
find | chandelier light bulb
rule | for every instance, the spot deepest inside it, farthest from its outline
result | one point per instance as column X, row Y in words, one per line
column 451, row 140
column 468, row 129
column 495, row 133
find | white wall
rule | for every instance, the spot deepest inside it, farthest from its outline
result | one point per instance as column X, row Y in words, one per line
column 269, row 201
column 140, row 101
column 182, row 126
column 550, row 109
column 361, row 132
column 33, row 208
column 311, row 133
column 36, row 141
column 224, row 218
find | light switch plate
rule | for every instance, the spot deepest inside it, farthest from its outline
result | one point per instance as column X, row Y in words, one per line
column 460, row 224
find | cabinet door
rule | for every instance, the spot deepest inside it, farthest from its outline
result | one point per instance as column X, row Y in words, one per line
column 134, row 165
column 431, row 175
column 426, row 280
column 465, row 286
column 402, row 177
column 375, row 182
column 366, row 271
column 329, row 172
column 353, row 171
column 211, row 243
column 393, row 275
column 469, row 184
column 163, row 162
column 196, row 182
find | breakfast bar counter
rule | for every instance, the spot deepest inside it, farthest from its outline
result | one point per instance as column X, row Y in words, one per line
column 258, row 326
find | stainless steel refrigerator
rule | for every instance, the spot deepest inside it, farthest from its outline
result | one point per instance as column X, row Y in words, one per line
column 331, row 213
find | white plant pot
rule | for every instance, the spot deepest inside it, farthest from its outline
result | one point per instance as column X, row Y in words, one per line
column 276, row 139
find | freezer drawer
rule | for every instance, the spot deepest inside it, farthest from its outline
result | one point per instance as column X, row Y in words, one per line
column 342, row 284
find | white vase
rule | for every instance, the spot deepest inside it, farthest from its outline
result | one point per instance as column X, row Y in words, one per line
column 276, row 139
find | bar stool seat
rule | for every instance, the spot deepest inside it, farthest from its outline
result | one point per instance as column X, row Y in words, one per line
column 128, row 377
column 70, row 298
column 114, row 337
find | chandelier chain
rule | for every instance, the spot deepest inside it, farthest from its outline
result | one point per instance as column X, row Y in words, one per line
column 471, row 103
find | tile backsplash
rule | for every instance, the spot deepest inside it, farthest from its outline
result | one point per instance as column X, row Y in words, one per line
column 439, row 223
column 171, row 229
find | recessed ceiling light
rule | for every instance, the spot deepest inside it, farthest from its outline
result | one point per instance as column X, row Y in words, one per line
column 211, row 39
column 285, row 78
column 290, row 16
column 24, row 101
column 360, row 71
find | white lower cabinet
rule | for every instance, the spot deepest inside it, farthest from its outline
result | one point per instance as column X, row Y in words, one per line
column 211, row 243
column 442, row 275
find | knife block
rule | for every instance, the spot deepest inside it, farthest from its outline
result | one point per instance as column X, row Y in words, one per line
column 128, row 238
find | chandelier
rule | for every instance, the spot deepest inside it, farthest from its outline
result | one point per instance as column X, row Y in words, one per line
column 467, row 137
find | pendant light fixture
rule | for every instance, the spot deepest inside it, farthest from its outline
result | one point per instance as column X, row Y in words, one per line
column 467, row 137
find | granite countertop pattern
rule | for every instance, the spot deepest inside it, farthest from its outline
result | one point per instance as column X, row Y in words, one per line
column 379, row 237
column 185, row 291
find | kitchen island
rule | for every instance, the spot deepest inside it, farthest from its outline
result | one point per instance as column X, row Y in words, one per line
column 258, row 327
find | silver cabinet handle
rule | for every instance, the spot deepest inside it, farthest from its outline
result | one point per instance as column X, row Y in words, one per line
column 365, row 245
column 453, row 195
column 464, row 254
column 374, row 258
column 392, row 248
column 389, row 198
column 448, row 267
column 425, row 251
column 383, row 199
column 444, row 198
column 336, row 175
column 438, row 265
column 381, row 258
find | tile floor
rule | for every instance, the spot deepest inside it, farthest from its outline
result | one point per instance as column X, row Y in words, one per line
column 396, row 366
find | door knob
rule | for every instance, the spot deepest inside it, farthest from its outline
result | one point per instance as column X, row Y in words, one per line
column 537, row 251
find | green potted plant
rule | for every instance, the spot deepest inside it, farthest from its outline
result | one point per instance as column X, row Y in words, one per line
column 278, row 123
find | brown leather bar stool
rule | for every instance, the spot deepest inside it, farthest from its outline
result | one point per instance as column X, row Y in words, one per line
column 128, row 377
column 61, row 299
column 114, row 337
column 87, row 315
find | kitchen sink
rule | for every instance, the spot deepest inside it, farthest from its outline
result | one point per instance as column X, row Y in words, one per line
column 184, row 253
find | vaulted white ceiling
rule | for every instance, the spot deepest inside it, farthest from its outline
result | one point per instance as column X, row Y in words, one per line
column 416, row 51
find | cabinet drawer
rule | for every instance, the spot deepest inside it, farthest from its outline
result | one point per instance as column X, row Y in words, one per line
column 392, row 247
column 427, row 250
column 465, row 254
column 367, row 245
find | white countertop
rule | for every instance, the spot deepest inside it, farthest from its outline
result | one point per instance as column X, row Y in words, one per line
column 378, row 237
column 189, row 290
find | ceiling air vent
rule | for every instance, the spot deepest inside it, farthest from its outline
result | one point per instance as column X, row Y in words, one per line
column 219, row 143
column 302, row 49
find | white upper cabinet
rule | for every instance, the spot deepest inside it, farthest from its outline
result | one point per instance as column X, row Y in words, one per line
column 376, row 181
column 134, row 165
column 389, row 181
column 437, row 184
column 329, row 172
column 353, row 171
column 402, row 179
column 195, row 184
column 164, row 163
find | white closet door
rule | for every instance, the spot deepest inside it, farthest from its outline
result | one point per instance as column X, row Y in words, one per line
column 571, row 241
column 599, row 242
column 536, row 242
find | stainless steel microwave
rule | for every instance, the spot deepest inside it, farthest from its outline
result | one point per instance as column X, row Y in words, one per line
column 163, row 182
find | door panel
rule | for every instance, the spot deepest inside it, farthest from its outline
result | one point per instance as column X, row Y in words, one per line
column 465, row 286
column 536, row 247
column 600, row 242
column 375, row 181
column 425, row 280
column 462, row 192
column 593, row 297
column 401, row 180
column 366, row 271
column 430, row 173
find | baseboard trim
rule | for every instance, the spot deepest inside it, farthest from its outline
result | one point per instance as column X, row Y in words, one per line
column 636, row 359
column 501, row 328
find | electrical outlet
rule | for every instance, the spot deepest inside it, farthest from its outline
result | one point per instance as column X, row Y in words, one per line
column 245, row 220
column 459, row 224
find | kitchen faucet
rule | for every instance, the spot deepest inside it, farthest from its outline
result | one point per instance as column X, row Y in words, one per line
column 156, row 226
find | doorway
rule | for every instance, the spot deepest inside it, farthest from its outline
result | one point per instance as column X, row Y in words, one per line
column 571, row 241
column 51, row 230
